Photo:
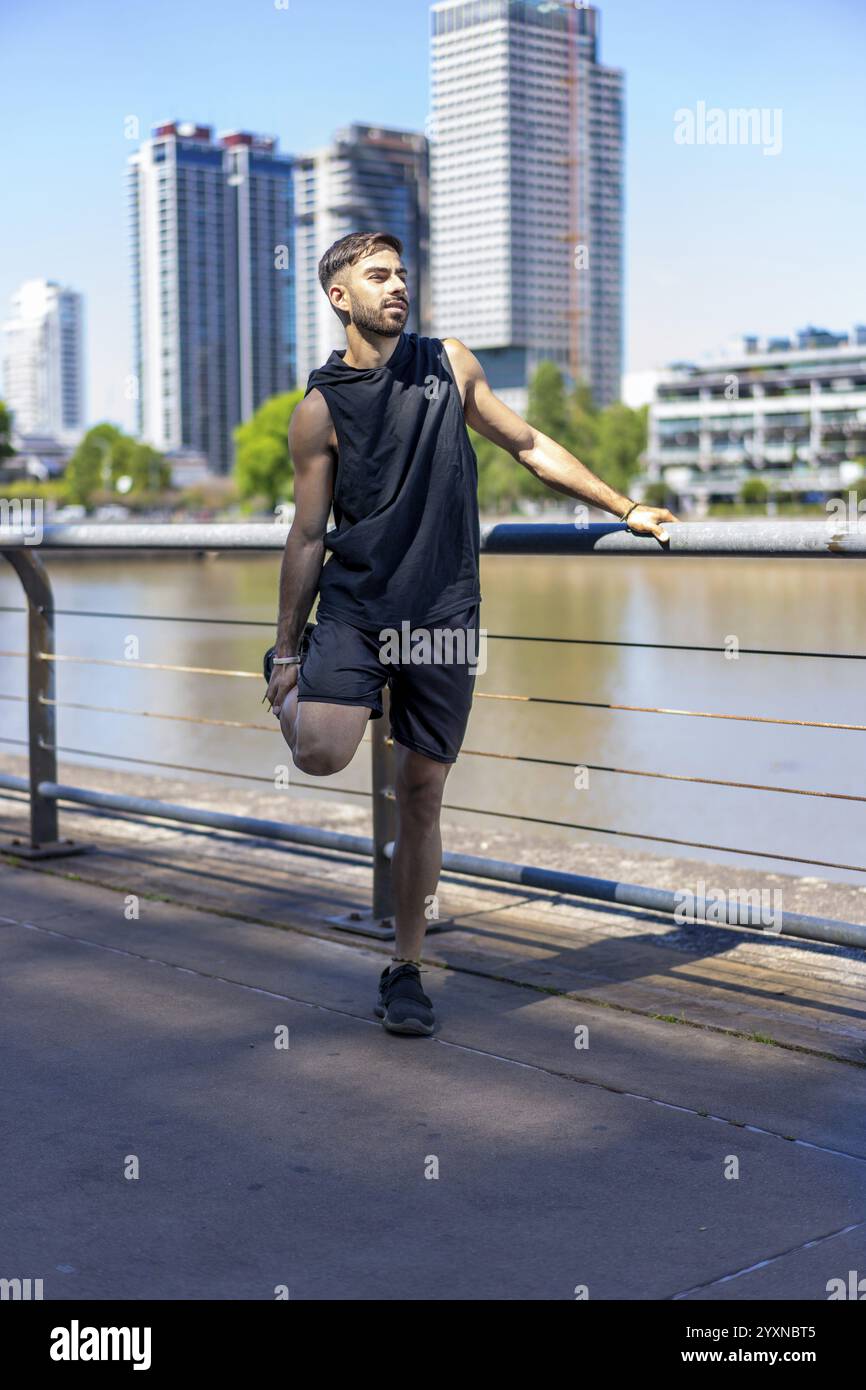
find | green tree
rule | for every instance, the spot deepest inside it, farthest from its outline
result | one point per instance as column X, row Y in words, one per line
column 622, row 438
column 6, row 450
column 105, row 455
column 263, row 466
column 548, row 408
column 501, row 479
column 89, row 469
column 754, row 491
column 149, row 469
column 584, row 425
column 658, row 494
column 569, row 418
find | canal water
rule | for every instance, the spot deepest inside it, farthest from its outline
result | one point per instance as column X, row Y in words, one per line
column 622, row 609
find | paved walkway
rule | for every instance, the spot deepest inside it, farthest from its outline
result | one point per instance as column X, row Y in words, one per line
column 310, row 1166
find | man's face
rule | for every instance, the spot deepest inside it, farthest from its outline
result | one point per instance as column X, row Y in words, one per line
column 378, row 294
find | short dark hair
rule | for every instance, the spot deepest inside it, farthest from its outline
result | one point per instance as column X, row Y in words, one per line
column 350, row 249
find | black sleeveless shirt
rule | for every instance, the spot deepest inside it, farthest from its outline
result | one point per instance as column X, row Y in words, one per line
column 406, row 542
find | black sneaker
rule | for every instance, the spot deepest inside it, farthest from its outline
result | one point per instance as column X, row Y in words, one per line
column 268, row 662
column 403, row 1006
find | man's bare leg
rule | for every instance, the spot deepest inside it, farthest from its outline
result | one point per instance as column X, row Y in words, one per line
column 288, row 717
column 417, row 860
column 323, row 738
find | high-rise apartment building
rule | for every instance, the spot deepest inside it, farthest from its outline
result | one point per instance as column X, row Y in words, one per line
column 43, row 365
column 212, row 267
column 527, row 191
column 261, row 252
column 370, row 179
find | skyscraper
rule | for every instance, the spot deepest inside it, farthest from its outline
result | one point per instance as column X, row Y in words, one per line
column 526, row 190
column 43, row 368
column 211, row 232
column 369, row 179
column 261, row 253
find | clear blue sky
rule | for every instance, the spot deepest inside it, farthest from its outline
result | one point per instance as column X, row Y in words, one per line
column 720, row 240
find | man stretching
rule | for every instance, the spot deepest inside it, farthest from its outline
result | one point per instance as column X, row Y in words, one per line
column 381, row 437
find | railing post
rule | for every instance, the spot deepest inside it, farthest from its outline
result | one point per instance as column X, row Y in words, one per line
column 384, row 810
column 379, row 922
column 44, row 841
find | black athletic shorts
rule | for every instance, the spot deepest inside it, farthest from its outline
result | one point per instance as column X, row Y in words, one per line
column 430, row 699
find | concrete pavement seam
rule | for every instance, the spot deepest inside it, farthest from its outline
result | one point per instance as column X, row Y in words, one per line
column 701, row 1026
column 443, row 1042
column 770, row 1260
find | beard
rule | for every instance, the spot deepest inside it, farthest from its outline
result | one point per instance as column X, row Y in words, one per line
column 386, row 322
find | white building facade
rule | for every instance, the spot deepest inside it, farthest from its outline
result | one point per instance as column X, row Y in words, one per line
column 790, row 411
column 43, row 362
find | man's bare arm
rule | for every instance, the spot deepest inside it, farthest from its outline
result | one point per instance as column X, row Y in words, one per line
column 310, row 433
column 553, row 465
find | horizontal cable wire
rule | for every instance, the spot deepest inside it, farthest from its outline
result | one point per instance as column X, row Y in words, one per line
column 660, row 839
column 652, row 709
column 152, row 666
column 183, row 767
column 152, row 714
column 149, row 617
column 480, row 695
column 467, row 752
column 23, row 798
column 491, row 636
column 473, row 752
column 477, row 810
column 663, row 776
column 672, row 646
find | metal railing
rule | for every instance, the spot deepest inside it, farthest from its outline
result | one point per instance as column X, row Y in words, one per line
column 45, row 792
